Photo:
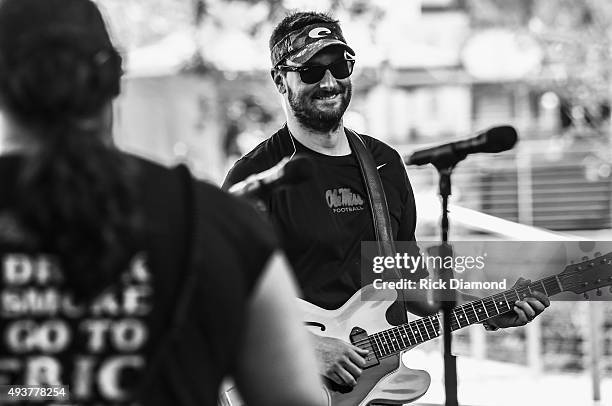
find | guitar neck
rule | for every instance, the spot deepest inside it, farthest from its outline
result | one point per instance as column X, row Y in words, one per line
column 392, row 341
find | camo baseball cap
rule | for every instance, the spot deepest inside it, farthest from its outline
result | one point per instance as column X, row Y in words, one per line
column 297, row 47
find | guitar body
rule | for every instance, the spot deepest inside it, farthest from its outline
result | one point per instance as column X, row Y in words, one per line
column 387, row 382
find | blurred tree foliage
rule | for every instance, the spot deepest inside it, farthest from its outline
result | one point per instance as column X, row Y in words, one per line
column 500, row 12
column 141, row 22
column 136, row 23
column 575, row 36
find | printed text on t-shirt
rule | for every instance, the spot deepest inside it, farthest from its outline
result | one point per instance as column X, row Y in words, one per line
column 343, row 200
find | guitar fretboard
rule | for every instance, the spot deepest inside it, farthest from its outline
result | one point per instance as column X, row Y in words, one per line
column 389, row 342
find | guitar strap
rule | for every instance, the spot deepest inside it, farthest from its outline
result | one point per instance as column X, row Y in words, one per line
column 378, row 204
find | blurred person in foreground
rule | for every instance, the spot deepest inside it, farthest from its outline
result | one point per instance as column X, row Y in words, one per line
column 129, row 282
column 323, row 221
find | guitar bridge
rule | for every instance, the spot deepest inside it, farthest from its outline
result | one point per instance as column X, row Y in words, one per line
column 359, row 337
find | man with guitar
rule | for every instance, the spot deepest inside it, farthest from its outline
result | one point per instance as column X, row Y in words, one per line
column 323, row 221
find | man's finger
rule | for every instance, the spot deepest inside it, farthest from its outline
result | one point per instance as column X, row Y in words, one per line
column 530, row 313
column 352, row 369
column 361, row 351
column 536, row 305
column 347, row 379
column 520, row 282
column 541, row 297
column 522, row 318
column 356, row 358
column 335, row 377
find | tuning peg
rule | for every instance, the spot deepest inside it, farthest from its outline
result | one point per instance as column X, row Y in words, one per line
column 598, row 292
column 586, row 296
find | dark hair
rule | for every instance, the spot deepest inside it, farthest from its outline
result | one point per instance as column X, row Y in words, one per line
column 296, row 21
column 58, row 74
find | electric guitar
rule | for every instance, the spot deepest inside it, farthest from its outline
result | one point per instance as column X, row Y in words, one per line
column 385, row 379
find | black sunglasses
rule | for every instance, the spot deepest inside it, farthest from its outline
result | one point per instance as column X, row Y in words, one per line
column 314, row 73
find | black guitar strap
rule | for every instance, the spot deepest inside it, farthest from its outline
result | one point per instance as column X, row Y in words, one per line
column 378, row 203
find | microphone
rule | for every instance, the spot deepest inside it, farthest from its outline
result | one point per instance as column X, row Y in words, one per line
column 496, row 139
column 287, row 172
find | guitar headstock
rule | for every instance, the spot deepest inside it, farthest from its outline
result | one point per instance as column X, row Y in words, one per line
column 588, row 275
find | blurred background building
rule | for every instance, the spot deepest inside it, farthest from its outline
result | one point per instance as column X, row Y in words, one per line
column 198, row 90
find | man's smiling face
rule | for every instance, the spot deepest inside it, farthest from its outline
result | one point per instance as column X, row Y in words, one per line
column 321, row 105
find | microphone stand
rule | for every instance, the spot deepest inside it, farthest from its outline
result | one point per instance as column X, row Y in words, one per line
column 448, row 300
column 445, row 165
column 445, row 158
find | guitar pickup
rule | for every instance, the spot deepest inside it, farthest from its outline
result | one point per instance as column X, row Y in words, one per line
column 359, row 337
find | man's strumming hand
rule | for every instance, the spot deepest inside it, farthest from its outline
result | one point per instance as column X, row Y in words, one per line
column 338, row 360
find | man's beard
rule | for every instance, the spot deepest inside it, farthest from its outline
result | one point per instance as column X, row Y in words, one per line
column 311, row 116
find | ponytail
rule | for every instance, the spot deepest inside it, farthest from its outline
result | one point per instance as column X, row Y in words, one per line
column 76, row 196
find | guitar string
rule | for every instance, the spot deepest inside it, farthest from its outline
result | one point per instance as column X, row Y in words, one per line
column 466, row 308
column 485, row 303
column 367, row 343
column 550, row 282
column 434, row 317
column 501, row 295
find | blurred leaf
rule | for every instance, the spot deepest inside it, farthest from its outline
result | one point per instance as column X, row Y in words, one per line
column 574, row 36
column 136, row 23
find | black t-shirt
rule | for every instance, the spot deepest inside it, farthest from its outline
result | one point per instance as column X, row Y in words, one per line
column 101, row 346
column 323, row 221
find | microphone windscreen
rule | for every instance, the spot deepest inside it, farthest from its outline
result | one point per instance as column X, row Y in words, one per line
column 500, row 139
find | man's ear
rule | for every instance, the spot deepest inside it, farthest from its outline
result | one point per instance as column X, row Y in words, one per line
column 279, row 80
